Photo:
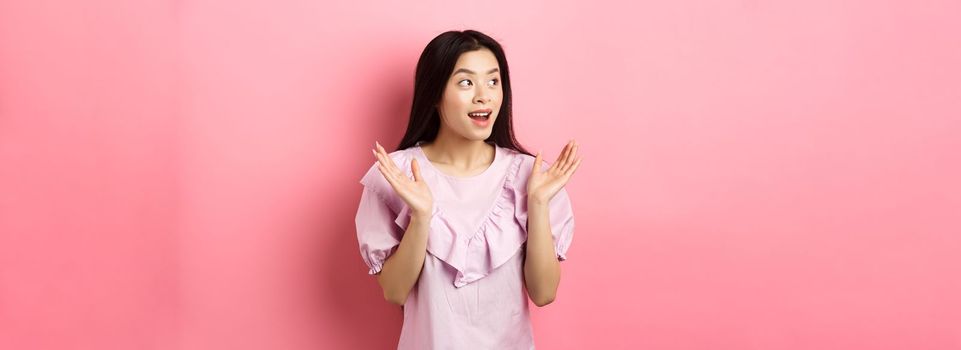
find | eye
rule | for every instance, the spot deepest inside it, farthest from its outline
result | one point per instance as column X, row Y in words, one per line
column 461, row 83
column 493, row 82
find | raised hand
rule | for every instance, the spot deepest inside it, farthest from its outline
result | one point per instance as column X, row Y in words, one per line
column 543, row 185
column 413, row 191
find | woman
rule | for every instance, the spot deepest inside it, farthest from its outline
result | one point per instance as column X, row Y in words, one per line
column 458, row 224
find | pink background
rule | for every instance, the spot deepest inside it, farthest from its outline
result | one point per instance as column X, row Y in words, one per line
column 757, row 175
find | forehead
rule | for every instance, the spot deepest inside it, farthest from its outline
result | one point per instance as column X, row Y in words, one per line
column 479, row 61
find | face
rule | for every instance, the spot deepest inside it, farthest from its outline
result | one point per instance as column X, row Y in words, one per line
column 473, row 90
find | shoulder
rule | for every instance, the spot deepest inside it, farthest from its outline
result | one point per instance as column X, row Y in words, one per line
column 522, row 167
column 374, row 180
column 527, row 161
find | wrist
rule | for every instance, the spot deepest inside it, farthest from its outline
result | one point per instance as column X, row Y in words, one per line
column 537, row 200
column 421, row 214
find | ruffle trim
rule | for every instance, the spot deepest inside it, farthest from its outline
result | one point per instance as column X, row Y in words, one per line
column 494, row 242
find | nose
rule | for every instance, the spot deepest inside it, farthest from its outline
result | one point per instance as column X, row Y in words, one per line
column 482, row 96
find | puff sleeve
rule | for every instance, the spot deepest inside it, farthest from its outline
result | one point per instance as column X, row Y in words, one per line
column 562, row 223
column 377, row 234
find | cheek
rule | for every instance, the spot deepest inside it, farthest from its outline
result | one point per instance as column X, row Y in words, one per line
column 452, row 100
column 458, row 101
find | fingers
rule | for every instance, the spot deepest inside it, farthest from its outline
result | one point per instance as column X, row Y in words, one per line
column 415, row 169
column 386, row 166
column 563, row 159
column 537, row 162
column 573, row 168
column 387, row 175
column 381, row 162
column 386, row 159
column 569, row 161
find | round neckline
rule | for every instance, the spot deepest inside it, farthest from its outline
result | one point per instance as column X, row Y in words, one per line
column 497, row 157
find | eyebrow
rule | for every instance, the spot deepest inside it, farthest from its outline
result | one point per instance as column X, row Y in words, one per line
column 465, row 70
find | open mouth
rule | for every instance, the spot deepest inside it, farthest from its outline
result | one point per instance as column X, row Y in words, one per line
column 481, row 115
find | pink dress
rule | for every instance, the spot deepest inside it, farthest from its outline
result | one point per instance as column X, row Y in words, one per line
column 470, row 293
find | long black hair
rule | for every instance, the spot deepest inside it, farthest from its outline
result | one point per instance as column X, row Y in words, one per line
column 430, row 79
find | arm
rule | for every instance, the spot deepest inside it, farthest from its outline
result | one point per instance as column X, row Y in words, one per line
column 542, row 271
column 402, row 269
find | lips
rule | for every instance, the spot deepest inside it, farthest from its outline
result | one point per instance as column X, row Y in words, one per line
column 480, row 114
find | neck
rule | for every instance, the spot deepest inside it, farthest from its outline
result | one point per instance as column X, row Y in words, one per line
column 459, row 152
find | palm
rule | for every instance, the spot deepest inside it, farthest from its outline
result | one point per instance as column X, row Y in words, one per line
column 544, row 184
column 414, row 192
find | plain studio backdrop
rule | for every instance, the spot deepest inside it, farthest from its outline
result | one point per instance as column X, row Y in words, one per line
column 183, row 174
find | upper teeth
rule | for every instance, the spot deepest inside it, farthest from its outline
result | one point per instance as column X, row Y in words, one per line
column 479, row 114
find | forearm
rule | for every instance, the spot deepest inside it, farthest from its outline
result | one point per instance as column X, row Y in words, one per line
column 542, row 271
column 402, row 269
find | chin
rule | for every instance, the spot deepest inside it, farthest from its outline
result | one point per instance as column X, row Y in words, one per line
column 481, row 137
